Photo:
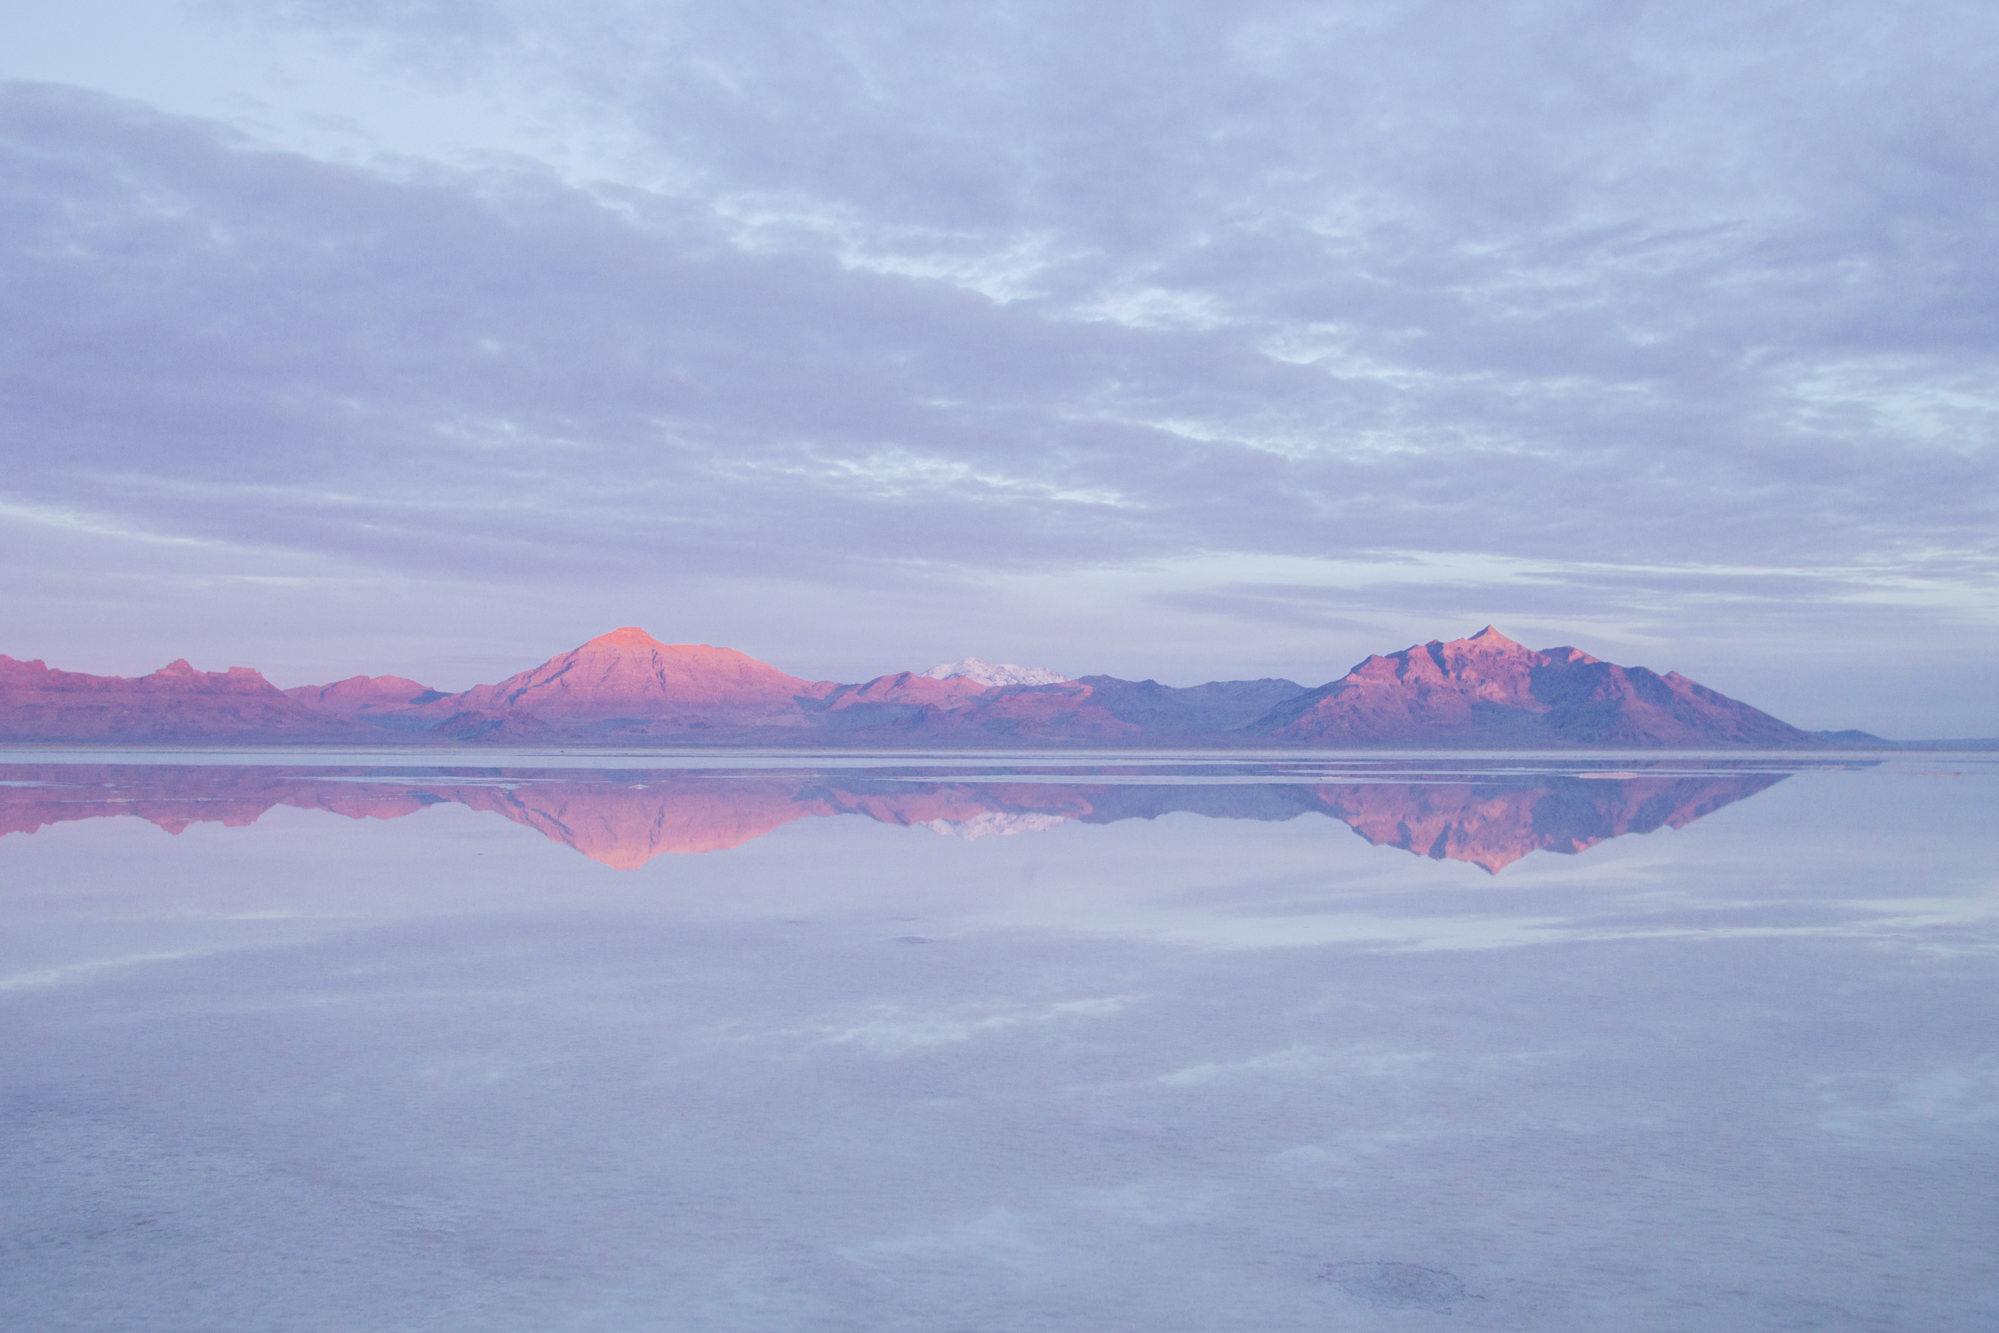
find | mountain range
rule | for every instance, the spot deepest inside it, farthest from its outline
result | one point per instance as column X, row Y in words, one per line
column 626, row 688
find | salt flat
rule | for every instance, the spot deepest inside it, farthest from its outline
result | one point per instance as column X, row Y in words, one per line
column 1091, row 1063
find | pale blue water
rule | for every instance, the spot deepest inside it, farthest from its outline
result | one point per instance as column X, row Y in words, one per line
column 1038, row 1062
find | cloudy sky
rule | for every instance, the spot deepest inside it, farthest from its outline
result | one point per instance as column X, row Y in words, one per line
column 1172, row 340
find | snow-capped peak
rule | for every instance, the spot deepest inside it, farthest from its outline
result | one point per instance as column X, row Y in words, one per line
column 1005, row 673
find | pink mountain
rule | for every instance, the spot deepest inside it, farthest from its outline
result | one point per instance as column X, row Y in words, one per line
column 627, row 685
column 628, row 688
column 362, row 696
column 622, row 686
column 1489, row 690
column 174, row 704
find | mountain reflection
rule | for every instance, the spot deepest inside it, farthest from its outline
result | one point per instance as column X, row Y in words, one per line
column 1489, row 813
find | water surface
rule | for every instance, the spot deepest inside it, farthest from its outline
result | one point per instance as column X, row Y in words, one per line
column 998, row 1042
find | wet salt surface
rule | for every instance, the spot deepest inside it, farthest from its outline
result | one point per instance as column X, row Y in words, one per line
column 1172, row 1071
column 1396, row 1286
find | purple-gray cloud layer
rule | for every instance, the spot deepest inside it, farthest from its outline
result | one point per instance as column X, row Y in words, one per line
column 1674, row 327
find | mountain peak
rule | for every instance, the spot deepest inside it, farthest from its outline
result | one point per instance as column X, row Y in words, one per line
column 628, row 636
column 633, row 684
column 1490, row 637
column 991, row 675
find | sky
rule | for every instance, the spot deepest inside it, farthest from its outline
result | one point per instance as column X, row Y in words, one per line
column 1182, row 341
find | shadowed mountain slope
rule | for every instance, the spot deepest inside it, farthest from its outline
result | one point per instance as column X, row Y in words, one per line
column 908, row 708
column 1163, row 712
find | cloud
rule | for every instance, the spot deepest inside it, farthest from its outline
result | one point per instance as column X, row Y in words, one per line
column 1696, row 311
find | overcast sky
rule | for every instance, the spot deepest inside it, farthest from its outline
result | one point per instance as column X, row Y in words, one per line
column 1171, row 340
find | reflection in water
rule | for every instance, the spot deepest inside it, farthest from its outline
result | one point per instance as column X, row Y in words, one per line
column 1490, row 813
column 1178, row 1075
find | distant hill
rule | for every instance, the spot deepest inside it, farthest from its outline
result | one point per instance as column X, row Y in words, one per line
column 1164, row 712
column 1864, row 740
column 174, row 705
column 627, row 688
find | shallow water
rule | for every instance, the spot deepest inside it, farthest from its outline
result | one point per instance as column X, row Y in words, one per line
column 984, row 1042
